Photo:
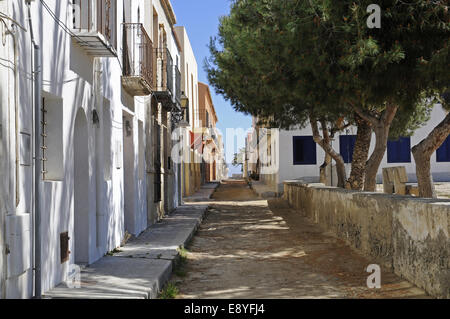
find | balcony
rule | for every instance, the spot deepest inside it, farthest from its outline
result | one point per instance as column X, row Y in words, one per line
column 164, row 76
column 137, row 77
column 177, row 76
column 211, row 136
column 94, row 26
column 178, row 114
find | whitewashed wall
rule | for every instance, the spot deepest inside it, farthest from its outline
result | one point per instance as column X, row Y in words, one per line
column 15, row 188
column 74, row 85
column 288, row 171
column 70, row 80
column 189, row 84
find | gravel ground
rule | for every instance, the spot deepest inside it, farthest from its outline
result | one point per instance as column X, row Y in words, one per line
column 251, row 248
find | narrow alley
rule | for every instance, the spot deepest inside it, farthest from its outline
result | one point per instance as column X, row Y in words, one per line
column 252, row 248
column 170, row 149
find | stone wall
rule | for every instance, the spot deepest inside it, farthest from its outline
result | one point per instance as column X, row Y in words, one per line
column 408, row 235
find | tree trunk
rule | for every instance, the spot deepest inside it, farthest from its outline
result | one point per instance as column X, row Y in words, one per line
column 424, row 177
column 323, row 168
column 373, row 164
column 360, row 155
column 381, row 127
column 325, row 143
column 422, row 154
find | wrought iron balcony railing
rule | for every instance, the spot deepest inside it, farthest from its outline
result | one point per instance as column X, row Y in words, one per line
column 177, row 76
column 95, row 26
column 164, row 72
column 137, row 60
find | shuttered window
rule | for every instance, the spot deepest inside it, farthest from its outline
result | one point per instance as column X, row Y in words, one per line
column 304, row 149
column 443, row 152
column 399, row 151
column 346, row 147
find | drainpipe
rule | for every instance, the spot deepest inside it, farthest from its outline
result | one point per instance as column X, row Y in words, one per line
column 37, row 71
column 16, row 113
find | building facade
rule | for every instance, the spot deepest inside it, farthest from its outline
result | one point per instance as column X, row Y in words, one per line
column 191, row 137
column 293, row 154
column 97, row 111
column 208, row 121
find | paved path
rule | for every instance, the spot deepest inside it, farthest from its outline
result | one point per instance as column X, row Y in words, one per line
column 144, row 265
column 252, row 248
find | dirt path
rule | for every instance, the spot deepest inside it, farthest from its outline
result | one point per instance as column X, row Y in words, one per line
column 251, row 248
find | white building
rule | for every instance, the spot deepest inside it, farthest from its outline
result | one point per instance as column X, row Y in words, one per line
column 110, row 86
column 294, row 154
column 192, row 156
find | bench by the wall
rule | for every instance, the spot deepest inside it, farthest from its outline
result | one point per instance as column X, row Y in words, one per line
column 395, row 181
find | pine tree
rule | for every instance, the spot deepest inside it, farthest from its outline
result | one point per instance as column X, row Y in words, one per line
column 317, row 62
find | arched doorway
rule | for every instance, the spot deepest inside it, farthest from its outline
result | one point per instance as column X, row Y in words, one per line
column 81, row 189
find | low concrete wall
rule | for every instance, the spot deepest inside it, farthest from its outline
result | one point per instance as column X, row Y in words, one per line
column 408, row 235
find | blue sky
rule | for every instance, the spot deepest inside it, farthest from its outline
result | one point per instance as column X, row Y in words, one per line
column 201, row 20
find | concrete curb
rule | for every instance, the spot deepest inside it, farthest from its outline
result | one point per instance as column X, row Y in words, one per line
column 204, row 194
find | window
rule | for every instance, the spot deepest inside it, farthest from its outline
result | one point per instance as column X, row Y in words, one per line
column 346, row 147
column 399, row 151
column 304, row 150
column 443, row 152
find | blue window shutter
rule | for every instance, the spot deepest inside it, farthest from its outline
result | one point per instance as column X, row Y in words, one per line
column 399, row 151
column 443, row 152
column 305, row 150
column 299, row 156
column 346, row 147
column 311, row 151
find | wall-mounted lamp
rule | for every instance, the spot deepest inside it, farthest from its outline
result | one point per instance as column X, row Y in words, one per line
column 184, row 100
column 184, row 110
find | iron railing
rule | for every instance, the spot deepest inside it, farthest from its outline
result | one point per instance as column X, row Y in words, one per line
column 164, row 71
column 96, row 16
column 177, row 75
column 137, row 52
